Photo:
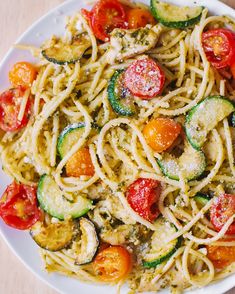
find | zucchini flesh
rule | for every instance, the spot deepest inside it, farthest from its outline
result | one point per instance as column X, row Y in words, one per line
column 191, row 164
column 52, row 200
column 63, row 54
column 160, row 251
column 175, row 16
column 54, row 236
column 120, row 97
column 204, row 117
column 202, row 199
column 89, row 242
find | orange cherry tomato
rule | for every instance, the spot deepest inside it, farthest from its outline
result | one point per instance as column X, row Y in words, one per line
column 139, row 17
column 112, row 264
column 80, row 164
column 221, row 256
column 22, row 74
column 161, row 133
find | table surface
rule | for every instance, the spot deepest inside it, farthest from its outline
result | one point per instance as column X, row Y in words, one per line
column 13, row 274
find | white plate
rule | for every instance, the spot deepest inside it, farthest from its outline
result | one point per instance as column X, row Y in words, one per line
column 20, row 242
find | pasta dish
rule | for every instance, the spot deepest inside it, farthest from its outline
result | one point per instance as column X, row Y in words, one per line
column 120, row 143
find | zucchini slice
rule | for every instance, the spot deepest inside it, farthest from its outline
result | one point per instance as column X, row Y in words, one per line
column 63, row 54
column 175, row 16
column 120, row 97
column 203, row 117
column 55, row 236
column 159, row 250
column 202, row 199
column 89, row 242
column 70, row 135
column 191, row 164
column 51, row 200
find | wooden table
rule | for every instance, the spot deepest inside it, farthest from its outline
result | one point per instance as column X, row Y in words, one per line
column 15, row 17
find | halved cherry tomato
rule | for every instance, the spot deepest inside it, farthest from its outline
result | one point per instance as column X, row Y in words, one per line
column 144, row 78
column 18, row 206
column 22, row 74
column 80, row 164
column 221, row 210
column 143, row 196
column 160, row 133
column 219, row 46
column 139, row 17
column 105, row 16
column 10, row 102
column 112, row 264
column 221, row 256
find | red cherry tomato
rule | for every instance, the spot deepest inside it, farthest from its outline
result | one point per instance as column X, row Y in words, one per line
column 219, row 46
column 18, row 206
column 144, row 78
column 143, row 195
column 10, row 102
column 221, row 210
column 105, row 16
column 233, row 70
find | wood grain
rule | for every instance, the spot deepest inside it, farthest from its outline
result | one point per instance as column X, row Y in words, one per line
column 15, row 17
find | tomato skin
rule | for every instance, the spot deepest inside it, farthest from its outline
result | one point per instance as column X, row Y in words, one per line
column 143, row 195
column 221, row 210
column 9, row 109
column 139, row 17
column 219, row 47
column 112, row 264
column 221, row 256
column 22, row 74
column 233, row 70
column 144, row 78
column 80, row 164
column 105, row 16
column 18, row 206
column 160, row 133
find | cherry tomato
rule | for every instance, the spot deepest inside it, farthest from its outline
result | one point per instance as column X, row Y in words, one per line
column 10, row 102
column 105, row 16
column 221, row 210
column 219, row 46
column 112, row 264
column 144, row 78
column 80, row 164
column 143, row 195
column 139, row 17
column 160, row 133
column 22, row 74
column 18, row 206
column 221, row 256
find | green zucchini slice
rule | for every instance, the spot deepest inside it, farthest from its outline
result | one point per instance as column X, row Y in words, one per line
column 175, row 16
column 52, row 200
column 159, row 250
column 119, row 97
column 89, row 242
column 62, row 54
column 54, row 236
column 201, row 199
column 70, row 135
column 191, row 164
column 204, row 117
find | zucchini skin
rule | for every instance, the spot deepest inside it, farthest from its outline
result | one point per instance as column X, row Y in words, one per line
column 50, row 210
column 202, row 198
column 113, row 98
column 194, row 143
column 155, row 263
column 57, row 61
column 174, row 24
